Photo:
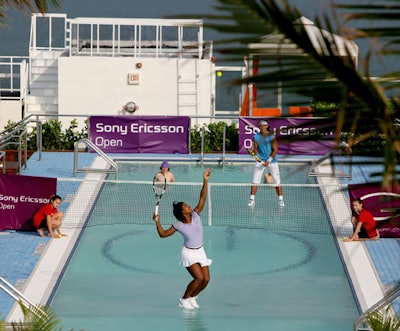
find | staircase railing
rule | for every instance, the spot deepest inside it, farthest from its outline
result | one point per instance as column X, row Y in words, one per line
column 16, row 135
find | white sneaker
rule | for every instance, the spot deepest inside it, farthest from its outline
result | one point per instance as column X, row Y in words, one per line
column 185, row 304
column 193, row 302
column 251, row 202
column 281, row 203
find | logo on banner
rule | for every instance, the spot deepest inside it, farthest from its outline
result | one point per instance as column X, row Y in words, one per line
column 296, row 135
column 383, row 205
column 140, row 134
column 20, row 197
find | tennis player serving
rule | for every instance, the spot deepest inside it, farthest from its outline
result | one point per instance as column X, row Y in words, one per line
column 193, row 256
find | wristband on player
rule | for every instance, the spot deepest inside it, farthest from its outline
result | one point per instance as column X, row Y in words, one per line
column 269, row 160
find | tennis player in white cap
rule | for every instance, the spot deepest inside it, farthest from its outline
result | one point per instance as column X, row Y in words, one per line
column 265, row 145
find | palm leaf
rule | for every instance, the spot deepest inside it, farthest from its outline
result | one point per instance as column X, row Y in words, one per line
column 41, row 6
column 383, row 320
column 320, row 68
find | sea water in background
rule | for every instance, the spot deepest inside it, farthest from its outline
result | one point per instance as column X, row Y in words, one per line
column 14, row 39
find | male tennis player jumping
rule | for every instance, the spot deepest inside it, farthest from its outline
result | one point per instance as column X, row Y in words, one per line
column 192, row 256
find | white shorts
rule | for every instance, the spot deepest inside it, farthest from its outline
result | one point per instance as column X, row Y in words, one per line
column 272, row 168
column 190, row 256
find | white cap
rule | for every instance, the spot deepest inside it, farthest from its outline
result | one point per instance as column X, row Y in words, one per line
column 262, row 122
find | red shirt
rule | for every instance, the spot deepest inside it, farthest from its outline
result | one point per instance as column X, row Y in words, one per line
column 366, row 218
column 41, row 214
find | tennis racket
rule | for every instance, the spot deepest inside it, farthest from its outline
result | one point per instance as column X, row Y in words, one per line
column 253, row 155
column 159, row 187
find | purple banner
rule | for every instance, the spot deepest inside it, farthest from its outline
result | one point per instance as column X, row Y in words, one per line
column 20, row 197
column 140, row 134
column 383, row 204
column 295, row 134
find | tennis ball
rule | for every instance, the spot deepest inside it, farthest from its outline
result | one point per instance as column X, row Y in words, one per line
column 219, row 73
column 59, row 235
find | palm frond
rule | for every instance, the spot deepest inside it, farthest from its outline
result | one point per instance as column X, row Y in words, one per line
column 320, row 66
column 36, row 318
column 383, row 320
column 41, row 6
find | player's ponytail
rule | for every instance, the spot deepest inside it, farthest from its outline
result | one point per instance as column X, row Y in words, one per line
column 177, row 210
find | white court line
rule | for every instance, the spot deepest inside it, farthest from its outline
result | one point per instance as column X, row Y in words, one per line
column 47, row 271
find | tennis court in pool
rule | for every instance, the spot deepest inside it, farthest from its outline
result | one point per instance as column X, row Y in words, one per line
column 272, row 269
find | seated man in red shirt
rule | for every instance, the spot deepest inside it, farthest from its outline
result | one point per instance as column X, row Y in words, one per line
column 363, row 223
column 48, row 218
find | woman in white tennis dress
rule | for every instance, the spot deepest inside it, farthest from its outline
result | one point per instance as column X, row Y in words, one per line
column 193, row 256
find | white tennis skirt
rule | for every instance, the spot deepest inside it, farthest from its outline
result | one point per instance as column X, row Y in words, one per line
column 189, row 256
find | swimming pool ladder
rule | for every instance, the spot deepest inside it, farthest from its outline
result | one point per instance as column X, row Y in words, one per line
column 330, row 157
column 9, row 289
column 89, row 144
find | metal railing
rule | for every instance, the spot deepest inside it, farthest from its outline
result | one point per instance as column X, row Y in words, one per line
column 43, row 37
column 384, row 302
column 16, row 135
column 343, row 152
column 94, row 36
column 8, row 137
column 9, row 289
column 89, row 144
column 3, row 161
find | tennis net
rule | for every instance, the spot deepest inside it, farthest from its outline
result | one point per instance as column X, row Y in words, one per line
column 310, row 208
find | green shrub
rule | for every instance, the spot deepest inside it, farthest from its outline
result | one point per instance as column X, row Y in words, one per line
column 213, row 138
column 372, row 146
column 53, row 136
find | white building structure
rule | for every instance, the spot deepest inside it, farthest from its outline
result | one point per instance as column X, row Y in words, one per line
column 163, row 66
column 115, row 66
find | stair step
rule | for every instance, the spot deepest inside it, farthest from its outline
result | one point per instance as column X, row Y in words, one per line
column 44, row 77
column 187, row 81
column 33, row 99
column 38, row 84
column 44, row 62
column 43, row 92
column 40, row 54
column 41, row 108
column 187, row 92
column 36, row 70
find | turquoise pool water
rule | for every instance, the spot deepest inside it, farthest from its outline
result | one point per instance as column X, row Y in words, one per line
column 124, row 277
column 291, row 173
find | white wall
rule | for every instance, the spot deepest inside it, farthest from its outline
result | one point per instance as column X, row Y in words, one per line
column 10, row 110
column 99, row 85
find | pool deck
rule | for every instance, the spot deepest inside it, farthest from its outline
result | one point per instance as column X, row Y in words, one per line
column 22, row 252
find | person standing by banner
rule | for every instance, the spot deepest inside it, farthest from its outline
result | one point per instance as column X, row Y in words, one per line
column 48, row 218
column 265, row 145
column 364, row 224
